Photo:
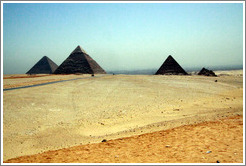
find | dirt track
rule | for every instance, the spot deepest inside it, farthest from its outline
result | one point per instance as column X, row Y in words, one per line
column 25, row 80
column 86, row 111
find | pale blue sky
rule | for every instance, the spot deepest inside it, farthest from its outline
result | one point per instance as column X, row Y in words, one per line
column 123, row 36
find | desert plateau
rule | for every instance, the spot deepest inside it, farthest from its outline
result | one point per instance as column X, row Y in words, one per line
column 123, row 118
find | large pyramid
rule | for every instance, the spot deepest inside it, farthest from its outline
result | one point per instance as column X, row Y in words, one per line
column 43, row 66
column 79, row 62
column 171, row 67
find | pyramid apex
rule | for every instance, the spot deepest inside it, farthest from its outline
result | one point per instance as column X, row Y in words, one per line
column 78, row 49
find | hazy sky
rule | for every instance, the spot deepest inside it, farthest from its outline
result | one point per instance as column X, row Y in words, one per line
column 123, row 36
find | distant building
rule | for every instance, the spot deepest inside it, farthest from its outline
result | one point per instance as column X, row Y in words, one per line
column 44, row 66
column 170, row 67
column 79, row 62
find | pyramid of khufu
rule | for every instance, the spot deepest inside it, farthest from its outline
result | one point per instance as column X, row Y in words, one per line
column 170, row 67
column 79, row 62
column 44, row 66
column 207, row 72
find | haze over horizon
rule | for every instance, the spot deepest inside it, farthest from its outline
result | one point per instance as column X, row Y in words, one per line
column 123, row 36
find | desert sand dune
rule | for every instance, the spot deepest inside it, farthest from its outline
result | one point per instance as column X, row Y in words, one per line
column 86, row 111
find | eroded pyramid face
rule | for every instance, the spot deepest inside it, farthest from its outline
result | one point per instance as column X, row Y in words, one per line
column 171, row 67
column 79, row 62
column 44, row 66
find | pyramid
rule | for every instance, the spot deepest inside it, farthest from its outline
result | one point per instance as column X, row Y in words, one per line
column 79, row 62
column 170, row 67
column 207, row 72
column 44, row 66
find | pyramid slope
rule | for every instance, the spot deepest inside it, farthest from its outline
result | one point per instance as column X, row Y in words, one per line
column 79, row 62
column 44, row 66
column 171, row 67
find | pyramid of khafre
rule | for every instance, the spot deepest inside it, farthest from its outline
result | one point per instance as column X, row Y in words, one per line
column 171, row 67
column 79, row 62
column 43, row 66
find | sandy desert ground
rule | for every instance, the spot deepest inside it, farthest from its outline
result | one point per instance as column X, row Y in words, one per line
column 219, row 141
column 86, row 111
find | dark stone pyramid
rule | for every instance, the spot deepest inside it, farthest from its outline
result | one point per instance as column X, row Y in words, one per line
column 43, row 66
column 171, row 67
column 207, row 72
column 79, row 62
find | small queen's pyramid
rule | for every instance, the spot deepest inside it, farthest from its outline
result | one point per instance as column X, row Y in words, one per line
column 79, row 62
column 207, row 72
column 43, row 66
column 170, row 67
